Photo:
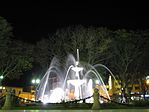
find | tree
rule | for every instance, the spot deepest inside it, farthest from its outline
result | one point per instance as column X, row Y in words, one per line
column 5, row 34
column 42, row 55
column 127, row 55
column 140, row 67
column 16, row 56
column 60, row 43
column 18, row 60
column 97, row 45
column 91, row 42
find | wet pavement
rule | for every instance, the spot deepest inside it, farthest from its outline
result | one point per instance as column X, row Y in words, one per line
column 106, row 110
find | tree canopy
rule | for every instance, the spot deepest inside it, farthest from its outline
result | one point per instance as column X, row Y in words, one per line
column 16, row 56
column 91, row 42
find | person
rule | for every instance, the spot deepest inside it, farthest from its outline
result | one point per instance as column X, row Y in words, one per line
column 123, row 99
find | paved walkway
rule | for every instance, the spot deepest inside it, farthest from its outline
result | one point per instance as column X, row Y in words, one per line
column 106, row 110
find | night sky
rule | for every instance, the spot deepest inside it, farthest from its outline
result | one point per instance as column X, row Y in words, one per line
column 31, row 21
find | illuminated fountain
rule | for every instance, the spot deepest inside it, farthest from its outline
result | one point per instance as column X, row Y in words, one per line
column 71, row 81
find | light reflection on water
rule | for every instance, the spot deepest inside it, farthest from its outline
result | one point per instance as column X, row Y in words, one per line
column 106, row 110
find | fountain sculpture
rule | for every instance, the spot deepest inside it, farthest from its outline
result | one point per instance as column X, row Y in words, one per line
column 72, row 81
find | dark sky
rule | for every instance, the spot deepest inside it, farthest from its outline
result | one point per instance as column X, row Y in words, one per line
column 34, row 21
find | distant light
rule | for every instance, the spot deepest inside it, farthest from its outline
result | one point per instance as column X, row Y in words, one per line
column 1, row 87
column 147, row 95
column 147, row 77
column 101, row 101
column 147, row 81
column 1, row 77
column 37, row 81
column 132, row 98
column 33, row 81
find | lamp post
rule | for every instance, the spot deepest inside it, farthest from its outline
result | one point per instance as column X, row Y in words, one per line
column 1, row 87
column 35, row 82
column 1, row 78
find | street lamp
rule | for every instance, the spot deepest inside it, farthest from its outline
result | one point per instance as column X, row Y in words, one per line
column 1, row 77
column 35, row 82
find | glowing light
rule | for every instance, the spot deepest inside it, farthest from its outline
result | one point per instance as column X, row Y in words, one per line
column 1, row 77
column 33, row 81
column 147, row 77
column 77, row 63
column 110, row 82
column 90, row 91
column 101, row 101
column 56, row 96
column 76, row 84
column 45, row 99
column 147, row 81
column 37, row 81
column 77, row 69
column 97, row 81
